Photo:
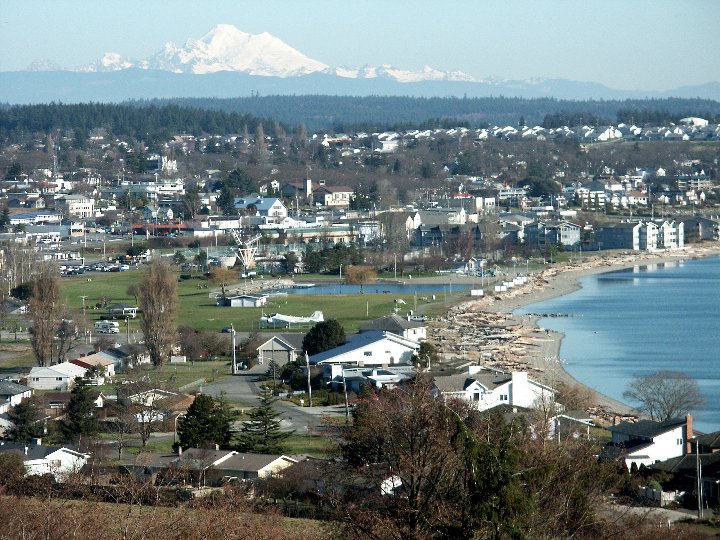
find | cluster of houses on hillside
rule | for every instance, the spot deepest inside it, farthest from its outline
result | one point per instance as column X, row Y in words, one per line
column 384, row 354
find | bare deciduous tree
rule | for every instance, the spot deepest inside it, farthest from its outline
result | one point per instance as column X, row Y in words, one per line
column 665, row 394
column 360, row 275
column 44, row 309
column 158, row 302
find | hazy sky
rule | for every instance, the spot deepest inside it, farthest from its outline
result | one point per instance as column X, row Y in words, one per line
column 624, row 44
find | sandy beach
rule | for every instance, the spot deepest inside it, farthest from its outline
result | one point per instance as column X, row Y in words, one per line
column 486, row 331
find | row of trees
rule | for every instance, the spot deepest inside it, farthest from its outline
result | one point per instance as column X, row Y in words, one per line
column 51, row 335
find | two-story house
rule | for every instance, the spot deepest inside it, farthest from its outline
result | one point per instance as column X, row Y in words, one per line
column 646, row 442
column 488, row 388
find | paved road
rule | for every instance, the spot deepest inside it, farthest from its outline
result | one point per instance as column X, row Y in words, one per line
column 245, row 388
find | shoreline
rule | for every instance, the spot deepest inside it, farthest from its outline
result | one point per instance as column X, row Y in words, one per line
column 525, row 344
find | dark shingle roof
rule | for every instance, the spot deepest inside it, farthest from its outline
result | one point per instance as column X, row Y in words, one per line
column 248, row 462
column 33, row 451
column 9, row 388
column 688, row 463
column 647, row 428
column 391, row 323
column 711, row 440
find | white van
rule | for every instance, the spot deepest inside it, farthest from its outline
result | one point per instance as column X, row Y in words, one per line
column 107, row 327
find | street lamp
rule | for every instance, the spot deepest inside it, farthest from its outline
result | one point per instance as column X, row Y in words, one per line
column 175, row 432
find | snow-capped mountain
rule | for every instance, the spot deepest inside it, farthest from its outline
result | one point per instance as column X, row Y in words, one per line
column 400, row 75
column 109, row 62
column 225, row 48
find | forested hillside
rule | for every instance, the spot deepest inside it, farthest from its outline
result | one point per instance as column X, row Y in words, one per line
column 162, row 118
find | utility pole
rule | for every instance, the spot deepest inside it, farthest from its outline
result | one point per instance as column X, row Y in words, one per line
column 347, row 405
column 307, row 365
column 698, row 471
column 234, row 362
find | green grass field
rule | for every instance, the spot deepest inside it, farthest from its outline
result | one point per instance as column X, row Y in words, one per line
column 198, row 310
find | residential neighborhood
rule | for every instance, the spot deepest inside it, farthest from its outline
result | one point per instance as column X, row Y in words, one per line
column 266, row 317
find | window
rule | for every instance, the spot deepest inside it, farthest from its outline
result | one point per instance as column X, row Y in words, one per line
column 503, row 397
column 679, row 442
column 36, row 379
column 58, row 378
column 368, row 353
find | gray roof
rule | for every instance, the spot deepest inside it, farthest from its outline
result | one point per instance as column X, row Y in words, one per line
column 688, row 463
column 295, row 340
column 34, row 451
column 249, row 462
column 647, row 428
column 391, row 323
column 458, row 383
column 9, row 388
column 200, row 458
column 453, row 383
column 711, row 440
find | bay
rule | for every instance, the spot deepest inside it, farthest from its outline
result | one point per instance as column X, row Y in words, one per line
column 640, row 320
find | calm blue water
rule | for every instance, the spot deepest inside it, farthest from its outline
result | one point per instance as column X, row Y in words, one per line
column 388, row 288
column 637, row 321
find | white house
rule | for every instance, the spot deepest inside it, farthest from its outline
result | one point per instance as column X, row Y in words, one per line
column 646, row 442
column 102, row 360
column 56, row 377
column 242, row 300
column 270, row 208
column 371, row 348
column 78, row 206
column 488, row 388
column 281, row 349
column 12, row 394
column 59, row 461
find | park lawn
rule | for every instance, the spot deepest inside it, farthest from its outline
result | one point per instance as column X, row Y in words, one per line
column 178, row 375
column 159, row 446
column 197, row 309
column 16, row 355
column 314, row 445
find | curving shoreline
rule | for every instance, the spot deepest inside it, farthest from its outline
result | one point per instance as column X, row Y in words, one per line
column 532, row 348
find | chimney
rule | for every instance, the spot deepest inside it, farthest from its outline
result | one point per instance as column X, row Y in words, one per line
column 217, row 447
column 26, row 450
column 688, row 434
column 37, row 441
column 308, row 186
column 179, row 450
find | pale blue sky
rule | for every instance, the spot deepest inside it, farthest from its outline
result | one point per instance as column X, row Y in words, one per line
column 624, row 44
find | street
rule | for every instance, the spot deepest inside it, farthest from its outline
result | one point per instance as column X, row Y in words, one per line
column 245, row 388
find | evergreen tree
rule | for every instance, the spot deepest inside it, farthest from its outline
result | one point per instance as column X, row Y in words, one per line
column 81, row 420
column 261, row 433
column 207, row 421
column 25, row 417
column 324, row 336
column 241, row 181
column 226, row 201
column 4, row 216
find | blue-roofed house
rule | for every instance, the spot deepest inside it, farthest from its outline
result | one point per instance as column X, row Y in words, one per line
column 271, row 209
column 31, row 218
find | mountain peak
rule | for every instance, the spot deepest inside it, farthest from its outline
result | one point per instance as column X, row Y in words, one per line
column 226, row 48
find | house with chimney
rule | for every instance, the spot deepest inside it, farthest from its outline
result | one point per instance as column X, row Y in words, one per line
column 488, row 388
column 60, row 461
column 646, row 442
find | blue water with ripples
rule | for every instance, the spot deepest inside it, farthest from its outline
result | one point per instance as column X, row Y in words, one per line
column 641, row 320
